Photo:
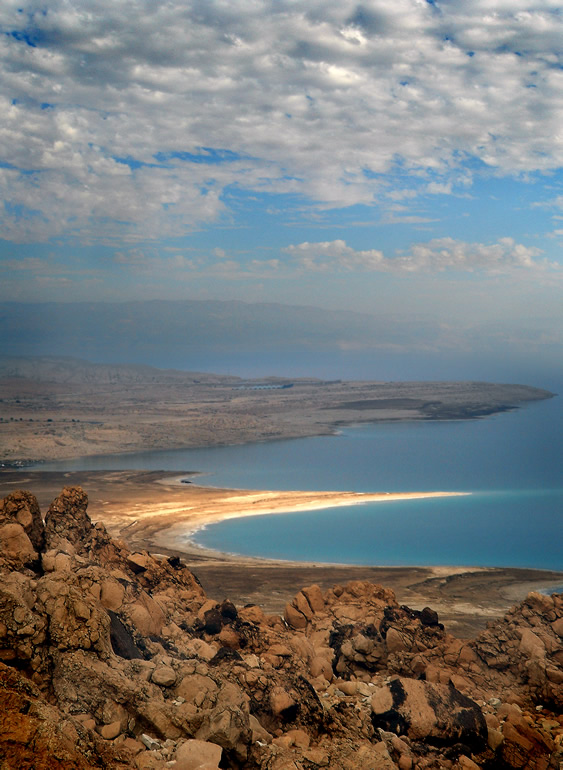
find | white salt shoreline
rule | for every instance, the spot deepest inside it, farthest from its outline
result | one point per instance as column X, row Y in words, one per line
column 226, row 506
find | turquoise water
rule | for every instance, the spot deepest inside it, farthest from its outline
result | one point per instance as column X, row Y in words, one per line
column 511, row 464
column 502, row 529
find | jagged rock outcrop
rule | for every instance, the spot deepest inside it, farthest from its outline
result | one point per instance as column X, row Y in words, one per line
column 117, row 659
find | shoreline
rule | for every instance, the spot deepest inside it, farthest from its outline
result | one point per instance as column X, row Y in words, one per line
column 272, row 502
column 144, row 508
column 51, row 414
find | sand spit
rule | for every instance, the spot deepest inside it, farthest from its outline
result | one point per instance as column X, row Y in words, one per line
column 261, row 503
column 152, row 510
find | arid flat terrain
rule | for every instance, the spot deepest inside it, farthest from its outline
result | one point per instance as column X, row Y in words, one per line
column 63, row 408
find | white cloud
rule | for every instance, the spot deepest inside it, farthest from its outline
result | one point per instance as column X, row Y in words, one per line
column 330, row 254
column 317, row 98
column 437, row 255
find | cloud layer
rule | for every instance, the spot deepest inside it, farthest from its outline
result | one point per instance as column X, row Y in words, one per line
column 132, row 120
column 436, row 255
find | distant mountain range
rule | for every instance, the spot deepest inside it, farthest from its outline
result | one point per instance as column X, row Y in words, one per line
column 135, row 331
column 171, row 334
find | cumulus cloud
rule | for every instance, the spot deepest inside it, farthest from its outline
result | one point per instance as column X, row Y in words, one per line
column 138, row 115
column 437, row 255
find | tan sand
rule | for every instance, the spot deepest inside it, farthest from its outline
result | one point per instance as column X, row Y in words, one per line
column 191, row 519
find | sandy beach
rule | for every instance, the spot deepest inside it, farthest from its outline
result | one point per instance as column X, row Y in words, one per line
column 225, row 505
column 156, row 511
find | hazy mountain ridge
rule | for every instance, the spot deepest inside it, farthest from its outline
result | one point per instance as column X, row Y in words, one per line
column 128, row 331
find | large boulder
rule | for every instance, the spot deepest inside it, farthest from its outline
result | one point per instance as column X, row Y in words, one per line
column 22, row 535
column 67, row 520
column 435, row 714
column 22, row 507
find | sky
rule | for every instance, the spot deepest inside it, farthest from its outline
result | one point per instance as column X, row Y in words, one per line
column 399, row 157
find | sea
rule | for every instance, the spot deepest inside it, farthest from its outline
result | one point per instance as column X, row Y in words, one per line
column 510, row 464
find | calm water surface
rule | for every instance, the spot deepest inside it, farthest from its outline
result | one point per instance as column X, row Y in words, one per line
column 511, row 463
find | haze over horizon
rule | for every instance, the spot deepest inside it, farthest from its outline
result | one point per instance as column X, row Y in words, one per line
column 399, row 160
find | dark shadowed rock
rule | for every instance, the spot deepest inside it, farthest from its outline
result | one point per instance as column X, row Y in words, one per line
column 228, row 610
column 122, row 641
column 431, row 713
column 212, row 621
column 223, row 654
column 429, row 617
column 174, row 562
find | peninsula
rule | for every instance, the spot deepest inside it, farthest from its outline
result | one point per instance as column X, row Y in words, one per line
column 61, row 408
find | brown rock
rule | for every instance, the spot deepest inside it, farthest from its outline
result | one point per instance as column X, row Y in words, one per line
column 259, row 733
column 252, row 614
column 63, row 562
column 531, row 645
column 111, row 731
column 15, row 544
column 196, row 688
column 197, row 755
column 348, row 688
column 494, row 738
column 394, row 641
column 382, row 700
column 299, row 738
column 147, row 617
column 429, row 712
column 21, row 507
column 228, row 637
column 317, row 757
column 111, row 594
column 465, row 763
column 281, row 702
column 67, row 519
column 557, row 626
column 138, row 562
column 314, row 597
column 294, row 617
column 228, row 723
column 201, row 649
column 164, row 676
column 320, row 666
column 149, row 761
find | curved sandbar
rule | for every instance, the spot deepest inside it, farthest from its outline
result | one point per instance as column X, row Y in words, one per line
column 226, row 505
column 145, row 507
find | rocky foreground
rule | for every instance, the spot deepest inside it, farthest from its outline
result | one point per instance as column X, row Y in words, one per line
column 116, row 659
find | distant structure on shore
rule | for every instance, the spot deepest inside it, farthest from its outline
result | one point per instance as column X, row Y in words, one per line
column 257, row 385
column 264, row 386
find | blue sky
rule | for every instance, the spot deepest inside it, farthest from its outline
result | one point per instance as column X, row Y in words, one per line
column 401, row 157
